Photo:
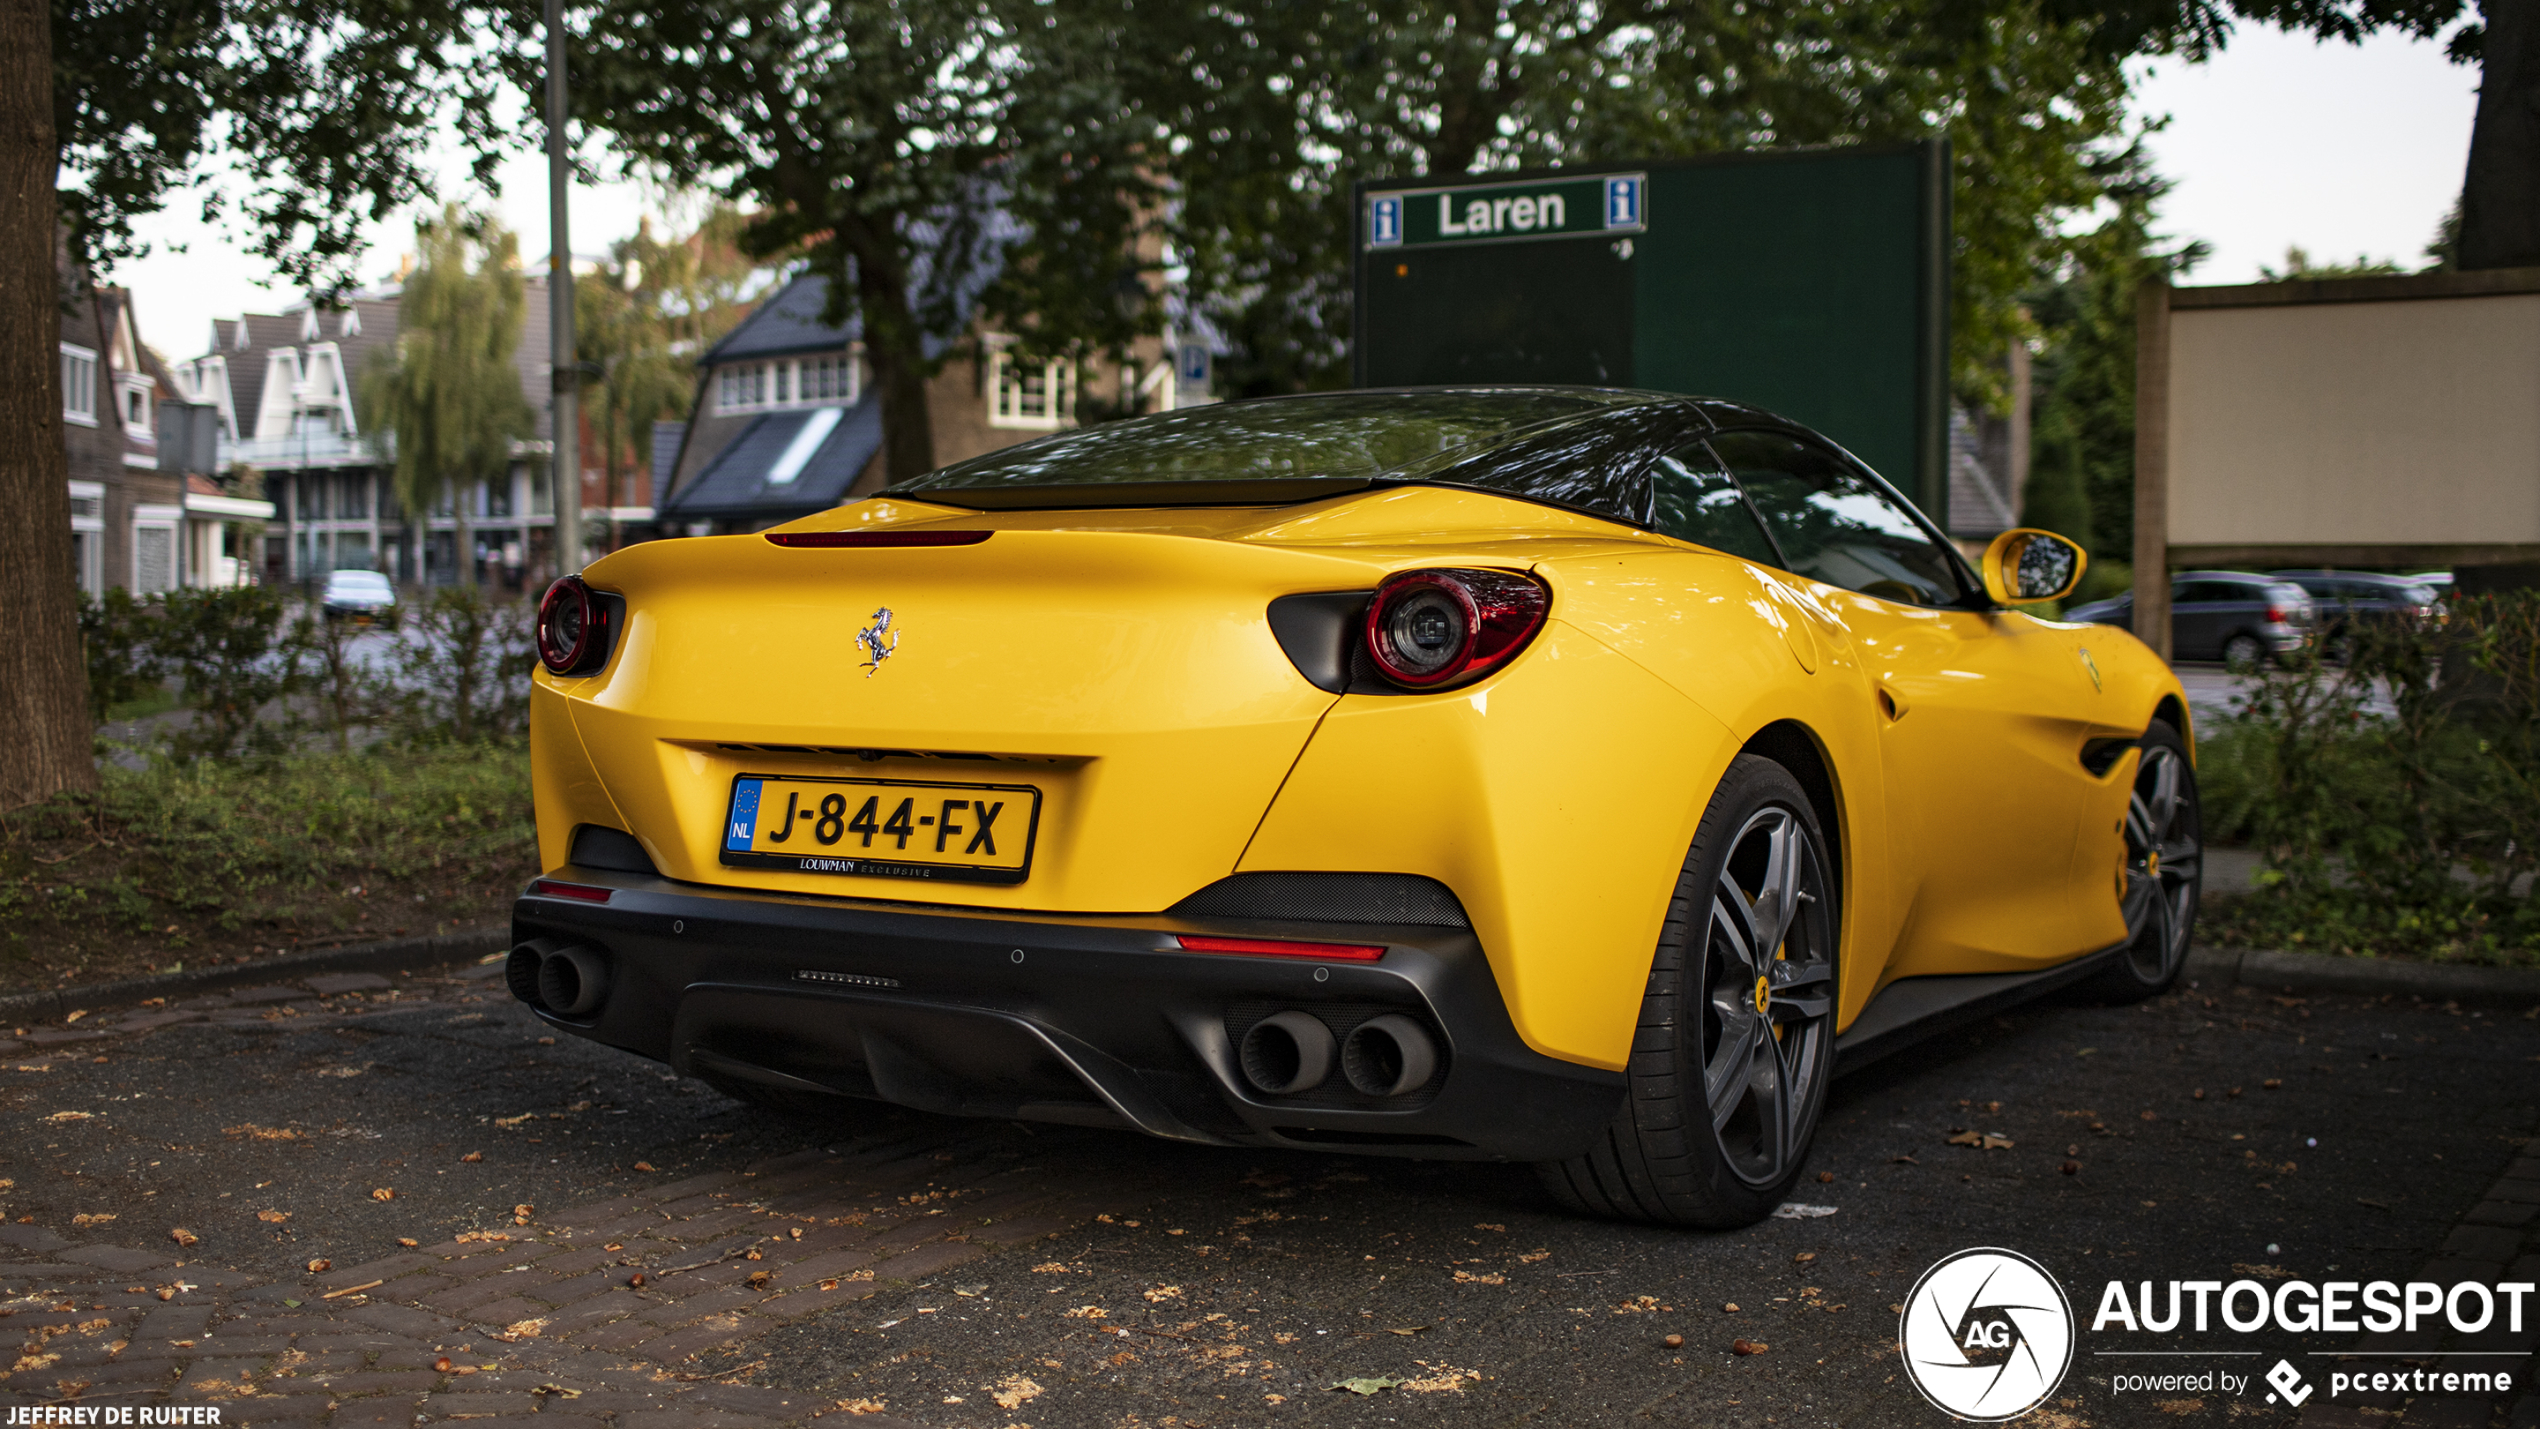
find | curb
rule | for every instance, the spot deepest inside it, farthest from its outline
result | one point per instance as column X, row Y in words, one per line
column 2323, row 972
column 465, row 945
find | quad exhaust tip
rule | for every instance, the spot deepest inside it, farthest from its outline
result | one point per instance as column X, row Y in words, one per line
column 1287, row 1052
column 568, row 980
column 1389, row 1056
column 1291, row 1052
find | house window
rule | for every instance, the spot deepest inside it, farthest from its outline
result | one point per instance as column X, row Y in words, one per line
column 790, row 382
column 136, row 410
column 1030, row 394
column 79, row 385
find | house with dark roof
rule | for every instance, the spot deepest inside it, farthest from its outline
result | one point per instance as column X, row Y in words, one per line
column 786, row 421
column 136, row 520
column 286, row 387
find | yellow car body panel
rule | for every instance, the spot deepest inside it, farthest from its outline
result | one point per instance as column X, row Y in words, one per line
column 1120, row 661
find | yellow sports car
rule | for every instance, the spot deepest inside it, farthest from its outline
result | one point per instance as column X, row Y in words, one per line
column 1562, row 775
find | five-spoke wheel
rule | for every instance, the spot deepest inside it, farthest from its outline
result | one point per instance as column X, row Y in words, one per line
column 1736, row 1040
column 2164, row 868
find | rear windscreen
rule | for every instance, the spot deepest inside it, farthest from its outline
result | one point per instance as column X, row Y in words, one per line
column 1342, row 437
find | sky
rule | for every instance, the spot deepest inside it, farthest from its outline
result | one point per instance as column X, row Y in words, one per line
column 2345, row 150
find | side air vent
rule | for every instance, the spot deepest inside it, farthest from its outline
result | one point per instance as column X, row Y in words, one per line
column 2101, row 755
column 1328, row 898
column 598, row 847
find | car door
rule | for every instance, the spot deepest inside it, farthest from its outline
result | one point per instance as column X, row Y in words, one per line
column 1983, row 712
column 2200, row 618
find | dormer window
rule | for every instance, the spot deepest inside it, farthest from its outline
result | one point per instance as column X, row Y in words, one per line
column 135, row 396
column 351, row 326
column 824, row 381
column 309, row 324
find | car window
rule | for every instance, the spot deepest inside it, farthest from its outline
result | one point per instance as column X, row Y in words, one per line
column 1835, row 524
column 1692, row 498
column 2208, row 593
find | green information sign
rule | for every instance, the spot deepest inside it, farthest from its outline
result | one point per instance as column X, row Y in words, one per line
column 1813, row 283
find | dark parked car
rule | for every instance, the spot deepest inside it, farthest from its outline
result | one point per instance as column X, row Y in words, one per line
column 2238, row 617
column 2342, row 597
column 363, row 597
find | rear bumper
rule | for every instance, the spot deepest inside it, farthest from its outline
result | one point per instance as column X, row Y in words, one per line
column 1093, row 1021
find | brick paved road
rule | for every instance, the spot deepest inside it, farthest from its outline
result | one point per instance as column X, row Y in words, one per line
column 958, row 1274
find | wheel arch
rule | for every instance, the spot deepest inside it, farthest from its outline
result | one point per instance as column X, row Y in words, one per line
column 2172, row 711
column 1795, row 747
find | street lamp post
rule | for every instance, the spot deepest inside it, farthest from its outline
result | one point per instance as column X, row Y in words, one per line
column 564, row 462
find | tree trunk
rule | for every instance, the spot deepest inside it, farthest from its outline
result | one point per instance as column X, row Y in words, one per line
column 2500, row 200
column 46, row 741
column 893, row 344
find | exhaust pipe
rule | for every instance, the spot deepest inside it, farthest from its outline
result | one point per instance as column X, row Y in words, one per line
column 568, row 981
column 1287, row 1052
column 573, row 981
column 1389, row 1056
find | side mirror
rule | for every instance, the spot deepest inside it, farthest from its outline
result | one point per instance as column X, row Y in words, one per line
column 2023, row 566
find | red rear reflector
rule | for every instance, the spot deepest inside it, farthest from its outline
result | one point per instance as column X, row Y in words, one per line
column 1270, row 948
column 582, row 892
column 878, row 538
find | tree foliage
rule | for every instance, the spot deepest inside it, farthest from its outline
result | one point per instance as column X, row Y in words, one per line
column 1279, row 109
column 903, row 151
column 450, row 397
column 641, row 322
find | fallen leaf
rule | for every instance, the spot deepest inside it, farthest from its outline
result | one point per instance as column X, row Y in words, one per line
column 1440, row 1379
column 254, row 1132
column 320, row 1267
column 2072, row 1168
column 407, row 1241
column 1747, row 1347
column 185, row 1237
column 1162, row 1293
column 473, row 1157
column 636, row 1281
column 1674, row 1342
column 1368, row 1385
column 861, row 1406
column 60, row 1116
column 643, row 1166
column 1904, row 1161
column 1466, row 1277
column 1794, row 1211
column 1730, row 1308
column 1825, row 1178
column 524, row 1329
column 1014, row 1391
column 273, row 1218
column 2273, row 1084
column 442, row 1364
column 1087, row 1312
column 383, row 1193
column 1966, row 1138
column 1993, row 1142
column 1404, row 1329
column 96, row 1218
column 1805, row 1256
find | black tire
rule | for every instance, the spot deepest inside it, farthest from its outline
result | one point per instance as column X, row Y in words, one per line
column 2164, row 870
column 1726, row 1079
column 2244, row 653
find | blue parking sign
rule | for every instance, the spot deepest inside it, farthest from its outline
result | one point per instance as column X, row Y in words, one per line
column 1622, row 201
column 1384, row 221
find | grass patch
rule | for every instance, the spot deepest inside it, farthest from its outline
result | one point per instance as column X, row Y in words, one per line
column 186, row 864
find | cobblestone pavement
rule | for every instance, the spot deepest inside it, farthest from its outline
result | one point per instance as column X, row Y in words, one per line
column 364, row 1200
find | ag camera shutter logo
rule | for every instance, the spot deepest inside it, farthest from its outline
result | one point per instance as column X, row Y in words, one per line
column 1986, row 1335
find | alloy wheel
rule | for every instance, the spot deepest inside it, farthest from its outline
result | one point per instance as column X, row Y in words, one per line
column 2164, row 863
column 1768, row 983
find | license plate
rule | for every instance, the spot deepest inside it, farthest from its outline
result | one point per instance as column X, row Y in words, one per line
column 882, row 828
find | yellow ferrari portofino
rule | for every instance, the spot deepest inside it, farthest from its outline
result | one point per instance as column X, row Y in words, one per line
column 1563, row 775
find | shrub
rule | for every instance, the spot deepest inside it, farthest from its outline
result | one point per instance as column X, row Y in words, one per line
column 462, row 669
column 2395, row 799
column 120, row 638
column 227, row 646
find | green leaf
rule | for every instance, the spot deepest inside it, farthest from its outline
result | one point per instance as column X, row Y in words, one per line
column 1368, row 1386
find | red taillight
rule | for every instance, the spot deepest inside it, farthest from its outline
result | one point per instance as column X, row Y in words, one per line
column 579, row 892
column 878, row 538
column 1430, row 629
column 1279, row 948
column 2276, row 615
column 572, row 628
